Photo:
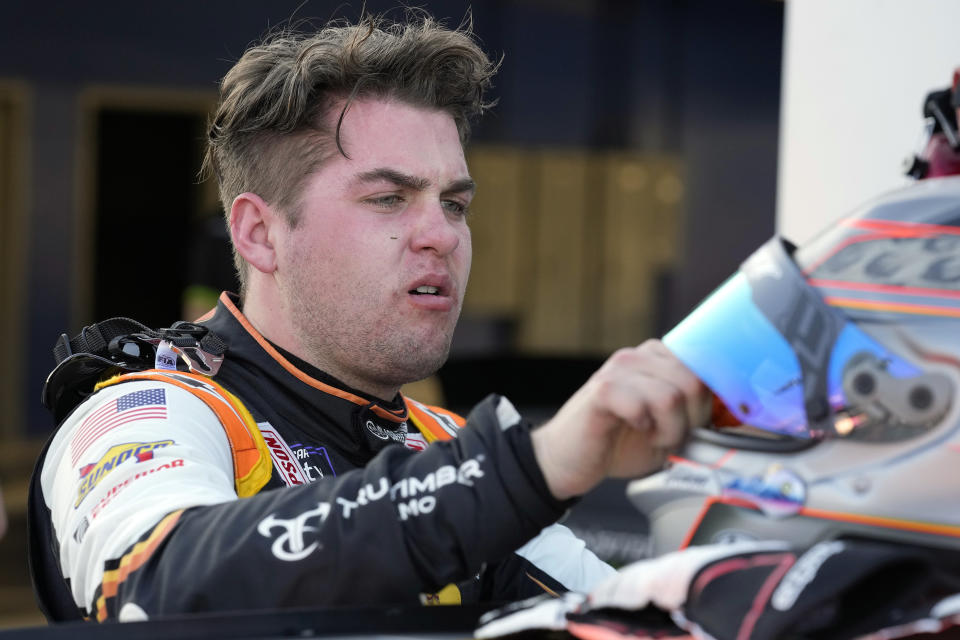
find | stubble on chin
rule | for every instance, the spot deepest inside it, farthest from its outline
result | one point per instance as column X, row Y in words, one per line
column 359, row 348
column 397, row 357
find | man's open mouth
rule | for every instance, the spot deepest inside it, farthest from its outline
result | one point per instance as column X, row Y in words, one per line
column 425, row 289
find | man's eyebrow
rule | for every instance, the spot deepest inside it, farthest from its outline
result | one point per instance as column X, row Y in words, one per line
column 397, row 178
column 415, row 183
column 463, row 185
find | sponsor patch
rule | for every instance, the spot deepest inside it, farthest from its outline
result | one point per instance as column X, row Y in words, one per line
column 386, row 434
column 166, row 357
column 315, row 461
column 91, row 474
column 416, row 493
column 148, row 404
column 415, row 441
column 284, row 459
column 691, row 478
column 450, row 594
column 803, row 573
column 778, row 492
column 117, row 488
column 290, row 546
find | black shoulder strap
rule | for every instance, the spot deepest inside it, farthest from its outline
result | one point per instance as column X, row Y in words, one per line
column 121, row 345
column 96, row 338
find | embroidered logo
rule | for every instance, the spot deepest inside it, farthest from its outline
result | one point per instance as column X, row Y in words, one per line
column 290, row 546
column 117, row 488
column 166, row 357
column 415, row 441
column 91, row 474
column 803, row 573
column 284, row 459
column 314, row 460
column 385, row 434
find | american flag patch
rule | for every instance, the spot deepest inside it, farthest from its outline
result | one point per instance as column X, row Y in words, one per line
column 149, row 404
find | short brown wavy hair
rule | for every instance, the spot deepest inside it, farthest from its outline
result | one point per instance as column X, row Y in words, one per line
column 269, row 131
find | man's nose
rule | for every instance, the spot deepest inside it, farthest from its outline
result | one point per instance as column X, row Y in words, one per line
column 435, row 229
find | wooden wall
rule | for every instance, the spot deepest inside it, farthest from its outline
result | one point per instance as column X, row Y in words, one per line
column 13, row 255
column 570, row 245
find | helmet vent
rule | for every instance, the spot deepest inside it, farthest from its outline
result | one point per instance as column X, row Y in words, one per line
column 921, row 397
column 864, row 383
column 889, row 408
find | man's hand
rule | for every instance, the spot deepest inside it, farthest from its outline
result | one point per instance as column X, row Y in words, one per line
column 626, row 419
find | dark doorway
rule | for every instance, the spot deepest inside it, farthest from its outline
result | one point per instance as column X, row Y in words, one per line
column 146, row 210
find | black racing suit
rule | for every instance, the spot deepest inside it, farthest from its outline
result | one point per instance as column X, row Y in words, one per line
column 141, row 518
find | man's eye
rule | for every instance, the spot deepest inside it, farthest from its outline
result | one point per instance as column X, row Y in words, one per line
column 455, row 207
column 386, row 202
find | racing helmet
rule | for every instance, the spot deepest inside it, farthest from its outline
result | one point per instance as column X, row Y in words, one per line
column 835, row 369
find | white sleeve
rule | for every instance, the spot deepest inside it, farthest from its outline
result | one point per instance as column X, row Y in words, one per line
column 565, row 557
column 122, row 460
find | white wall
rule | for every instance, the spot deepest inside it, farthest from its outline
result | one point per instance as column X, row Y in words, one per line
column 855, row 75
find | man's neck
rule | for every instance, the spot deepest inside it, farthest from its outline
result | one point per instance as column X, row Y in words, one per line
column 326, row 377
column 267, row 316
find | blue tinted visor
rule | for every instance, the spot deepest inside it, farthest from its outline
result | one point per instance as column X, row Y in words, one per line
column 774, row 352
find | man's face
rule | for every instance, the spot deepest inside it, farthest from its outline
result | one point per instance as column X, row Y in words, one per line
column 373, row 276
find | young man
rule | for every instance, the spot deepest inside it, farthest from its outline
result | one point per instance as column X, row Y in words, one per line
column 341, row 169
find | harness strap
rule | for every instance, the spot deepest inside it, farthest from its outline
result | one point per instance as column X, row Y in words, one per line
column 95, row 338
column 122, row 339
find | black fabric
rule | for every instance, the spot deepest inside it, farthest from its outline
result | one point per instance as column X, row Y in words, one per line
column 96, row 338
column 216, row 553
column 91, row 339
column 51, row 590
column 835, row 590
column 500, row 583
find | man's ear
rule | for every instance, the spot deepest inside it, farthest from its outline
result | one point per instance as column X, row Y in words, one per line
column 251, row 223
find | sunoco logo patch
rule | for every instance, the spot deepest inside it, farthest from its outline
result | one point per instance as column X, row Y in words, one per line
column 91, row 474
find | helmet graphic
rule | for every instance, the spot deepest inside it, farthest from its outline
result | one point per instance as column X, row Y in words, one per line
column 836, row 369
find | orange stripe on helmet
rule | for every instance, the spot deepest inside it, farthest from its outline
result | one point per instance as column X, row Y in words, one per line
column 895, row 307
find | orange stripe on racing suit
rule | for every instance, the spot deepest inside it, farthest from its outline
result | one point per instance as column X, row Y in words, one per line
column 133, row 561
column 435, row 423
column 251, row 458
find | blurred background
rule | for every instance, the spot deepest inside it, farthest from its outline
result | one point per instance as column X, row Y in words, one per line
column 631, row 164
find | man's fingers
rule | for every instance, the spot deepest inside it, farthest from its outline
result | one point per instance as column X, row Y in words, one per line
column 634, row 410
column 646, row 403
column 667, row 407
column 649, row 383
column 670, row 368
